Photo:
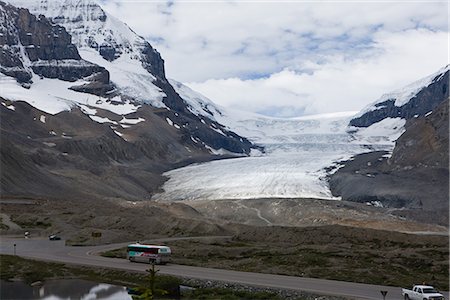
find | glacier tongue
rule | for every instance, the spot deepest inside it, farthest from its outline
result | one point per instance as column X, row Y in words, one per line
column 297, row 151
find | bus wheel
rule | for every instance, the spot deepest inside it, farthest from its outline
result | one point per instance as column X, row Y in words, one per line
column 131, row 259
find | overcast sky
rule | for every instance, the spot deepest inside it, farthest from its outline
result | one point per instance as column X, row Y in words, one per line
column 291, row 58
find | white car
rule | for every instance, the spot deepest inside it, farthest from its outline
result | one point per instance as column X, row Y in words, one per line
column 422, row 292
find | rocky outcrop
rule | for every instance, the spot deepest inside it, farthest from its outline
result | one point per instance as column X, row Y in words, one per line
column 11, row 65
column 152, row 62
column 423, row 102
column 67, row 69
column 10, row 54
column 33, row 44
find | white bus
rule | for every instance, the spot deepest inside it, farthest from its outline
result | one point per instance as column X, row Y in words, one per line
column 148, row 253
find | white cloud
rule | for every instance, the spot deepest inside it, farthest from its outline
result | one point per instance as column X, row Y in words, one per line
column 338, row 84
column 298, row 57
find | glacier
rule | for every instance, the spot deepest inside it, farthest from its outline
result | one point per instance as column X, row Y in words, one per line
column 294, row 164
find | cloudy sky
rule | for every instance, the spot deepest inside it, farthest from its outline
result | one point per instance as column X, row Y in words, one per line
column 291, row 58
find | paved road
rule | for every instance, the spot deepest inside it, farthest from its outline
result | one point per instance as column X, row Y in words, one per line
column 43, row 249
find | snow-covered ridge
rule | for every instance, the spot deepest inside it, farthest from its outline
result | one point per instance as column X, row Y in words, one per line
column 196, row 102
column 403, row 95
column 106, row 41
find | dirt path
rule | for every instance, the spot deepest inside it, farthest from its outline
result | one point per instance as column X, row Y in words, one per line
column 6, row 220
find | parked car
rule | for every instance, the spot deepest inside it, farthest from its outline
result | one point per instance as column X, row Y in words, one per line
column 422, row 292
column 54, row 237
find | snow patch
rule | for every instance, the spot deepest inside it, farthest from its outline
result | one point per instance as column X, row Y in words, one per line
column 10, row 107
column 53, row 96
column 118, row 133
column 42, row 118
column 48, row 144
column 198, row 104
column 87, row 110
column 102, row 120
column 131, row 121
column 375, row 203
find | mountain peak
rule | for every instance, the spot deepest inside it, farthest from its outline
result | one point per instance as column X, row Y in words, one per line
column 93, row 28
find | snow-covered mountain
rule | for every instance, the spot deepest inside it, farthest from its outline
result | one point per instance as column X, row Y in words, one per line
column 133, row 71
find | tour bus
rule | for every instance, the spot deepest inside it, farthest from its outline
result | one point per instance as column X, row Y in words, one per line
column 148, row 253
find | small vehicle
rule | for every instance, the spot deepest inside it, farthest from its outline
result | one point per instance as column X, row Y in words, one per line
column 152, row 254
column 54, row 237
column 422, row 292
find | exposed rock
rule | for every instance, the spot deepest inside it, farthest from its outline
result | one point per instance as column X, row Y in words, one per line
column 67, row 70
column 31, row 43
column 11, row 65
column 424, row 143
column 98, row 84
column 152, row 62
column 108, row 52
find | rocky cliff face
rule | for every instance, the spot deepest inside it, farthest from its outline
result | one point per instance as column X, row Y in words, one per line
column 33, row 44
column 425, row 143
column 418, row 99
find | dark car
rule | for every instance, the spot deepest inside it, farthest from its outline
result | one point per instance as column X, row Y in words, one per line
column 54, row 237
